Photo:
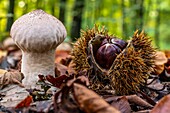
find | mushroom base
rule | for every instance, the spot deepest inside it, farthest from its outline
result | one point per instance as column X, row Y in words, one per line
column 34, row 64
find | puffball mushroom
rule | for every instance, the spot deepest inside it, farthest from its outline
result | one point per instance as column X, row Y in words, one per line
column 37, row 34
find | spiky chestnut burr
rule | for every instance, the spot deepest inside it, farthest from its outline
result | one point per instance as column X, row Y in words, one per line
column 130, row 61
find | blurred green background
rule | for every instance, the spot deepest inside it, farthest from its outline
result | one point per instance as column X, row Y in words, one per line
column 121, row 17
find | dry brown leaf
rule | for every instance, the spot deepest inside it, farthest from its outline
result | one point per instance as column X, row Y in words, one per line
column 60, row 69
column 25, row 103
column 162, row 106
column 71, row 69
column 158, row 69
column 61, row 54
column 91, row 102
column 119, row 102
column 167, row 53
column 160, row 60
column 167, row 66
column 122, row 102
column 10, row 78
column 15, row 97
column 138, row 101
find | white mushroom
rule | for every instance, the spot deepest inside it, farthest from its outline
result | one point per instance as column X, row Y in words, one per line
column 37, row 34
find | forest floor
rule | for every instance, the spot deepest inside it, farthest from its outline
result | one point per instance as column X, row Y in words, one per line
column 72, row 94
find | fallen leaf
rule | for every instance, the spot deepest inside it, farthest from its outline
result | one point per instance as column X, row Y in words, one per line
column 167, row 53
column 158, row 69
column 42, row 106
column 10, row 78
column 91, row 102
column 138, row 101
column 160, row 60
column 15, row 97
column 162, row 106
column 71, row 69
column 64, row 103
column 25, row 103
column 156, row 85
column 132, row 99
column 66, row 61
column 56, row 81
column 119, row 102
column 61, row 69
column 167, row 65
column 61, row 54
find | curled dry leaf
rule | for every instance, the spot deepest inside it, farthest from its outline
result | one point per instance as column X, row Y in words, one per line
column 91, row 102
column 160, row 60
column 80, row 77
column 56, row 81
column 64, row 102
column 158, row 69
column 138, row 101
column 61, row 54
column 165, row 75
column 66, row 61
column 122, row 102
column 10, row 78
column 167, row 66
column 162, row 106
column 119, row 102
column 167, row 53
column 60, row 69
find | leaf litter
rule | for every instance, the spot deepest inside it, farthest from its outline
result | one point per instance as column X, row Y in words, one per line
column 71, row 93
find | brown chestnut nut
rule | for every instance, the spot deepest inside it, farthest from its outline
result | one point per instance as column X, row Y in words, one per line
column 107, row 52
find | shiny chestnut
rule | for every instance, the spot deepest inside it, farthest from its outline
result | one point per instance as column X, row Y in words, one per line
column 109, row 48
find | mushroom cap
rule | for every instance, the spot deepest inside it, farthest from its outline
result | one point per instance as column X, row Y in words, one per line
column 38, row 31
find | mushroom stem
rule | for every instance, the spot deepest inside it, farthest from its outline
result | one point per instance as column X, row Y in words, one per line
column 34, row 64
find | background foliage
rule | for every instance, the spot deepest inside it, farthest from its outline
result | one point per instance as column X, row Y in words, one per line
column 121, row 17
